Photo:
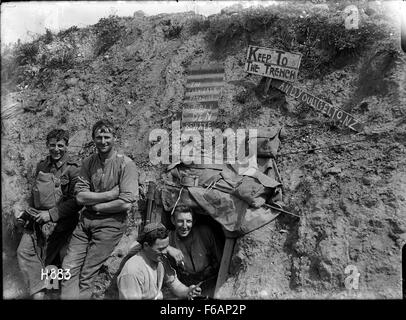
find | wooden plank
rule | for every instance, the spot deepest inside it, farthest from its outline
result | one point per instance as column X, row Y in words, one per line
column 200, row 98
column 225, row 264
column 343, row 118
column 204, row 92
column 274, row 57
column 198, row 85
column 276, row 171
column 205, row 81
column 203, row 89
column 197, row 125
column 218, row 76
column 199, row 116
column 205, row 70
column 267, row 85
column 150, row 202
column 273, row 63
column 280, row 73
column 203, row 104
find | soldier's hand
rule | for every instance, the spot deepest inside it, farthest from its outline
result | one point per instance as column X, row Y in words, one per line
column 176, row 254
column 19, row 221
column 114, row 193
column 33, row 212
column 258, row 202
column 95, row 208
column 43, row 217
column 194, row 291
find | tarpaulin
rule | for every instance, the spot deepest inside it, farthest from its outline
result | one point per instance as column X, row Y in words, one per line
column 224, row 195
column 232, row 194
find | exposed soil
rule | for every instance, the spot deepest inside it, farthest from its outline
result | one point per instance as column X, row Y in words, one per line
column 351, row 197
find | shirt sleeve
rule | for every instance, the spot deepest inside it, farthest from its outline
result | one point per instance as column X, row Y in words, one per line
column 129, row 182
column 83, row 182
column 68, row 206
column 169, row 272
column 129, row 287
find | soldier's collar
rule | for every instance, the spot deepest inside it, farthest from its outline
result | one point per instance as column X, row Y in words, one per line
column 113, row 156
column 60, row 162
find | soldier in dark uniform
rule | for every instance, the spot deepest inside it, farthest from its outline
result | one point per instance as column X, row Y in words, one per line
column 47, row 232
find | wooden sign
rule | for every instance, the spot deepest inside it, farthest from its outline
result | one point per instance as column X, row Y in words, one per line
column 201, row 114
column 203, row 87
column 272, row 63
column 340, row 116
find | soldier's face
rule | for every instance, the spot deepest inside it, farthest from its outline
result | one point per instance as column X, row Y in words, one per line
column 183, row 223
column 158, row 249
column 57, row 149
column 104, row 141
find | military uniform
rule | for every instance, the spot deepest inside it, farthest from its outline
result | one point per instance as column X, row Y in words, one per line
column 36, row 250
column 202, row 256
column 97, row 233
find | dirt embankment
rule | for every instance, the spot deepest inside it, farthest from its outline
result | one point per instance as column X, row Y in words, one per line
column 351, row 197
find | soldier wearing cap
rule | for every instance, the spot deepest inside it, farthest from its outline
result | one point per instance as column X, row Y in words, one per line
column 39, row 249
column 107, row 186
column 143, row 275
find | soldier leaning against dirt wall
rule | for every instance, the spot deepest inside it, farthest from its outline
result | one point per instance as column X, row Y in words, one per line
column 52, row 213
column 108, row 187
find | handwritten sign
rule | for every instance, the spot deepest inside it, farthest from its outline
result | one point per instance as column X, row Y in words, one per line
column 202, row 114
column 273, row 63
column 340, row 116
column 203, row 88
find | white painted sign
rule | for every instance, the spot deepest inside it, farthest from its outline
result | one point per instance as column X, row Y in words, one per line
column 203, row 88
column 343, row 118
column 273, row 63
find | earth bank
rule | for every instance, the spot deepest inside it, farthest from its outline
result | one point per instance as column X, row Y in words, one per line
column 351, row 195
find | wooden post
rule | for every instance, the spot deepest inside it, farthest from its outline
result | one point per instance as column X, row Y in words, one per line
column 267, row 85
column 275, row 168
column 150, row 201
column 225, row 264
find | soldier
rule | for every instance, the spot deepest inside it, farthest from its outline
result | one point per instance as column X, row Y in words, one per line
column 107, row 186
column 143, row 274
column 196, row 250
column 49, row 225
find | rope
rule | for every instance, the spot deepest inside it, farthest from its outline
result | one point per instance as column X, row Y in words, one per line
column 268, row 222
column 320, row 148
column 372, row 135
column 281, row 210
column 259, row 227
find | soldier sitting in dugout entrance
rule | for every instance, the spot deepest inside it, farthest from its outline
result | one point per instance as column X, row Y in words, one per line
column 195, row 249
column 143, row 275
